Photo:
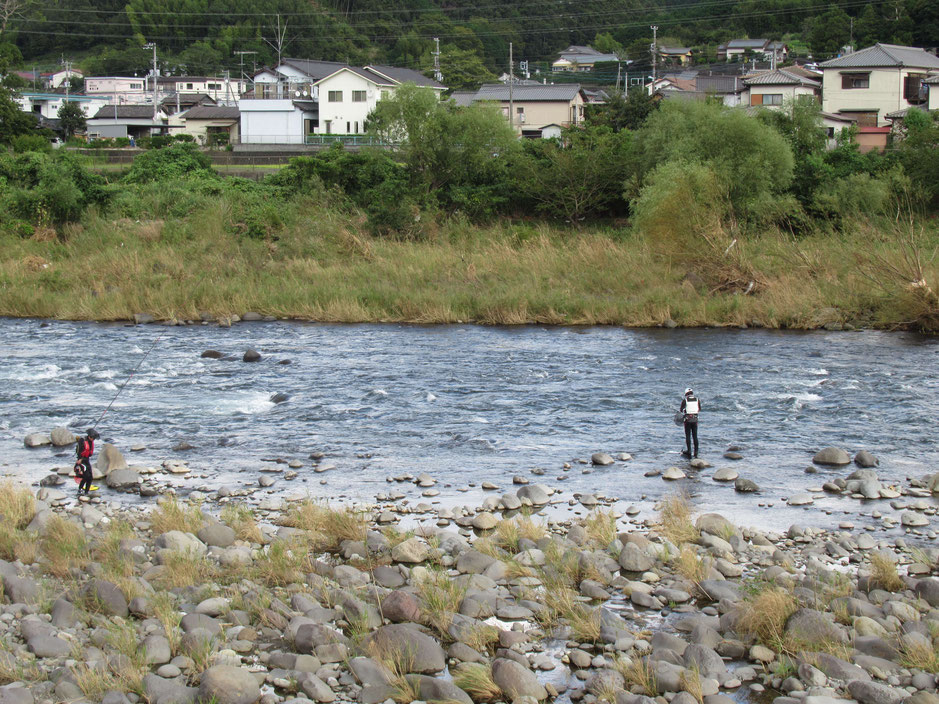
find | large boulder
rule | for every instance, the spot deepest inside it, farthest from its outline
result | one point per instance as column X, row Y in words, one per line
column 928, row 589
column 37, row 440
column 633, row 559
column 109, row 459
column 745, row 486
column 61, row 437
column 715, row 524
column 217, row 534
column 601, row 459
column 181, row 542
column 411, row 551
column 516, row 680
column 229, row 685
column 865, row 459
column 123, row 479
column 432, row 689
column 810, row 626
column 107, row 598
column 534, row 494
column 427, row 657
column 876, row 693
column 832, row 456
column 401, row 607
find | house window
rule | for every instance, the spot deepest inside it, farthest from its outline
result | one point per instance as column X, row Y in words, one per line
column 854, row 81
column 385, row 94
column 215, row 86
column 772, row 99
column 358, row 96
column 348, row 127
column 136, row 86
column 356, row 127
column 335, row 96
column 913, row 91
column 189, row 86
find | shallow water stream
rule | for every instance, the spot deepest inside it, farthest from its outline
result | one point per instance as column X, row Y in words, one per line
column 470, row 404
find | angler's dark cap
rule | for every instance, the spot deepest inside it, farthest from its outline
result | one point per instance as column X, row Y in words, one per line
column 92, row 433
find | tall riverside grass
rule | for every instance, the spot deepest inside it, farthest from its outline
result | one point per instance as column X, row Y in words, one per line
column 179, row 256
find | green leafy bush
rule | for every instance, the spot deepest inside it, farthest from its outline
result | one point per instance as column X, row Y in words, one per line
column 174, row 162
column 30, row 143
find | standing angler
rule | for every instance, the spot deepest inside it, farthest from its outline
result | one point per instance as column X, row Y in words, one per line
column 84, row 449
column 690, row 405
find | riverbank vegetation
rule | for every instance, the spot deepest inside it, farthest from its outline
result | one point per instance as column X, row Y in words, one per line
column 690, row 213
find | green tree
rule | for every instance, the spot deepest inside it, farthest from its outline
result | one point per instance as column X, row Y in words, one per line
column 72, row 118
column 622, row 111
column 606, row 44
column 752, row 160
column 918, row 152
column 868, row 28
column 830, row 31
column 201, row 58
column 463, row 68
column 456, row 157
column 577, row 176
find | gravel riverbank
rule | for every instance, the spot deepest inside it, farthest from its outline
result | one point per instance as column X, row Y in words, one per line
column 244, row 596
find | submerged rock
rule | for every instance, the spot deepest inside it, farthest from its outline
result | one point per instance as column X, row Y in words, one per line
column 833, row 456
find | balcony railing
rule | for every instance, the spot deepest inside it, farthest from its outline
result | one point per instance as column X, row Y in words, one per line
column 347, row 140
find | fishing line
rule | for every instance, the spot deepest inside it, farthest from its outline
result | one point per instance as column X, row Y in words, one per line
column 146, row 354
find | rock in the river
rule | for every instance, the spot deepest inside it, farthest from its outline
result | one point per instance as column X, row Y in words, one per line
column 912, row 519
column 633, row 559
column 109, row 459
column 745, row 486
column 724, row 474
column 673, row 473
column 229, row 685
column 602, row 459
column 833, row 456
column 123, row 479
column 803, row 498
column 516, row 680
column 37, row 440
column 251, row 355
column 62, row 436
column 865, row 459
column 535, row 494
column 211, row 354
column 876, row 693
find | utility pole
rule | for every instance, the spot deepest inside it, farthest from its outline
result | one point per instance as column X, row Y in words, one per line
column 655, row 53
column 241, row 63
column 511, row 89
column 68, row 78
column 437, row 75
column 156, row 104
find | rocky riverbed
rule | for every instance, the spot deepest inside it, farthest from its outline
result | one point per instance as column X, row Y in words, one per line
column 237, row 595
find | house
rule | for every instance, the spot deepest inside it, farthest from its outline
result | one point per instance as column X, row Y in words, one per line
column 537, row 107
column 728, row 88
column 125, row 90
column 834, row 124
column 224, row 91
column 348, row 95
column 115, row 121
column 772, row 89
column 56, row 79
column 881, row 79
column 209, row 124
column 744, row 49
column 300, row 98
column 49, row 80
column 675, row 56
column 581, row 59
column 47, row 104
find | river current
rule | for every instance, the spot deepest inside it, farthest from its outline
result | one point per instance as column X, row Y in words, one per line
column 469, row 404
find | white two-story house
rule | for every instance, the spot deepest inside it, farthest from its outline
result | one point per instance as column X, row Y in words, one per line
column 873, row 82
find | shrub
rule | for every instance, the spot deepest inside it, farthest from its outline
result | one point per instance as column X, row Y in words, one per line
column 30, row 143
column 178, row 161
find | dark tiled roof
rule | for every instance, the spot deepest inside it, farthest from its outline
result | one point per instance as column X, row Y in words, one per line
column 212, row 112
column 126, row 112
column 746, row 43
column 885, row 56
column 189, row 99
column 493, row 91
column 315, row 69
column 405, row 75
column 780, row 77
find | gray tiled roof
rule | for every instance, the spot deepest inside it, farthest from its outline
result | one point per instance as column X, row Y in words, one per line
column 315, row 69
column 404, row 75
column 212, row 112
column 746, row 43
column 780, row 77
column 126, row 112
column 588, row 58
column 718, row 84
column 885, row 55
column 566, row 92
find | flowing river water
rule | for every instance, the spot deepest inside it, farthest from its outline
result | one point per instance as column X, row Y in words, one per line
column 470, row 404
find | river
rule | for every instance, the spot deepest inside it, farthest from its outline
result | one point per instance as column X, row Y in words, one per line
column 469, row 404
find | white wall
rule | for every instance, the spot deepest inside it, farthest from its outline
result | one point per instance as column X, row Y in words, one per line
column 884, row 94
column 789, row 93
column 49, row 104
column 347, row 117
column 271, row 122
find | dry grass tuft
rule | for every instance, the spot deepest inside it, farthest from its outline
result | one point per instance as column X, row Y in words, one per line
column 482, row 637
column 920, row 656
column 691, row 682
column 641, row 673
column 476, row 680
column 241, row 519
column 166, row 612
column 884, row 573
column 326, row 527
column 764, row 616
column 279, row 565
column 64, row 546
column 440, row 597
column 172, row 515
column 675, row 520
column 690, row 566
column 601, row 527
column 17, row 505
column 185, row 570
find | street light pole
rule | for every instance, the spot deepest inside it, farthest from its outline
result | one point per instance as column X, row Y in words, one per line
column 152, row 45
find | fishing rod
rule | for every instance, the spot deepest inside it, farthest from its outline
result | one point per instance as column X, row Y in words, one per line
column 126, row 381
